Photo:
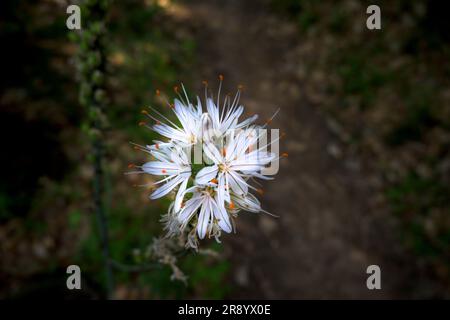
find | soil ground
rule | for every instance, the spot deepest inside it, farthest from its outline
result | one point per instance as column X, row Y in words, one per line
column 330, row 226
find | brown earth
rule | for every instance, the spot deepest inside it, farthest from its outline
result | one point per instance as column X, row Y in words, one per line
column 332, row 223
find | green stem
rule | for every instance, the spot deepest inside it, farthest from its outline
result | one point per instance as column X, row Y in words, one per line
column 92, row 67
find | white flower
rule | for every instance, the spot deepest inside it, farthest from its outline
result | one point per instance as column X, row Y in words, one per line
column 234, row 163
column 221, row 187
column 189, row 131
column 174, row 165
column 227, row 119
column 209, row 213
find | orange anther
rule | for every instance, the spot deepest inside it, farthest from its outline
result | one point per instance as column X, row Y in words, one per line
column 164, row 171
column 158, row 122
column 158, row 92
column 240, row 87
column 144, row 111
column 205, row 83
column 131, row 165
column 224, row 152
column 284, row 154
column 232, row 206
column 220, row 77
column 260, row 191
column 176, row 89
column 136, row 148
column 142, row 123
column 214, row 181
column 157, row 146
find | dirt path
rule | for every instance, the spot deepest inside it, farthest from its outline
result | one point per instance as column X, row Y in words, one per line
column 329, row 228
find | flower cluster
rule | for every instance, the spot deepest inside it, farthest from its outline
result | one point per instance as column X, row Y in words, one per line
column 210, row 189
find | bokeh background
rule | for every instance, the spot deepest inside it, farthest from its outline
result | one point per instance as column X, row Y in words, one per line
column 367, row 122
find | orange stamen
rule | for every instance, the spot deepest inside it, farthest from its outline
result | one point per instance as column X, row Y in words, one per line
column 158, row 93
column 284, row 154
column 164, row 171
column 224, row 152
column 214, row 181
column 131, row 165
column 157, row 146
column 205, row 83
column 220, row 77
column 142, row 123
column 176, row 89
column 260, row 191
column 144, row 112
column 232, row 206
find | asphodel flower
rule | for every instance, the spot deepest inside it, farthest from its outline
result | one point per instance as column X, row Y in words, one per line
column 207, row 195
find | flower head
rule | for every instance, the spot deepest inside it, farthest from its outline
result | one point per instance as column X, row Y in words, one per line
column 208, row 194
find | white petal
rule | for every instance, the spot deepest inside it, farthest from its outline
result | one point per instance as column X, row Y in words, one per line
column 222, row 217
column 203, row 219
column 169, row 132
column 221, row 190
column 247, row 121
column 248, row 203
column 199, row 107
column 212, row 152
column 189, row 209
column 206, row 174
column 213, row 112
column 160, row 168
column 180, row 195
column 166, row 188
column 237, row 184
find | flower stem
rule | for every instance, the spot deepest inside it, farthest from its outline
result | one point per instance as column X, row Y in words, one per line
column 102, row 220
column 92, row 68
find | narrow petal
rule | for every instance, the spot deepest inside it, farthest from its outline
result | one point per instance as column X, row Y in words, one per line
column 212, row 152
column 248, row 203
column 222, row 217
column 189, row 210
column 180, row 195
column 206, row 174
column 160, row 168
column 203, row 219
column 166, row 188
column 237, row 184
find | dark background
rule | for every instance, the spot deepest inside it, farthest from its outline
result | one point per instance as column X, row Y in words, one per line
column 366, row 115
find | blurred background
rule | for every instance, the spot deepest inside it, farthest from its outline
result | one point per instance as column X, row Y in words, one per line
column 367, row 120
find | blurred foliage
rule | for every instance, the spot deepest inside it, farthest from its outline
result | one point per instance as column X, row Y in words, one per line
column 45, row 204
column 388, row 89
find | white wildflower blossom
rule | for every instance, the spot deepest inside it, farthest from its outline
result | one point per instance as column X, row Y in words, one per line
column 173, row 164
column 234, row 164
column 209, row 194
